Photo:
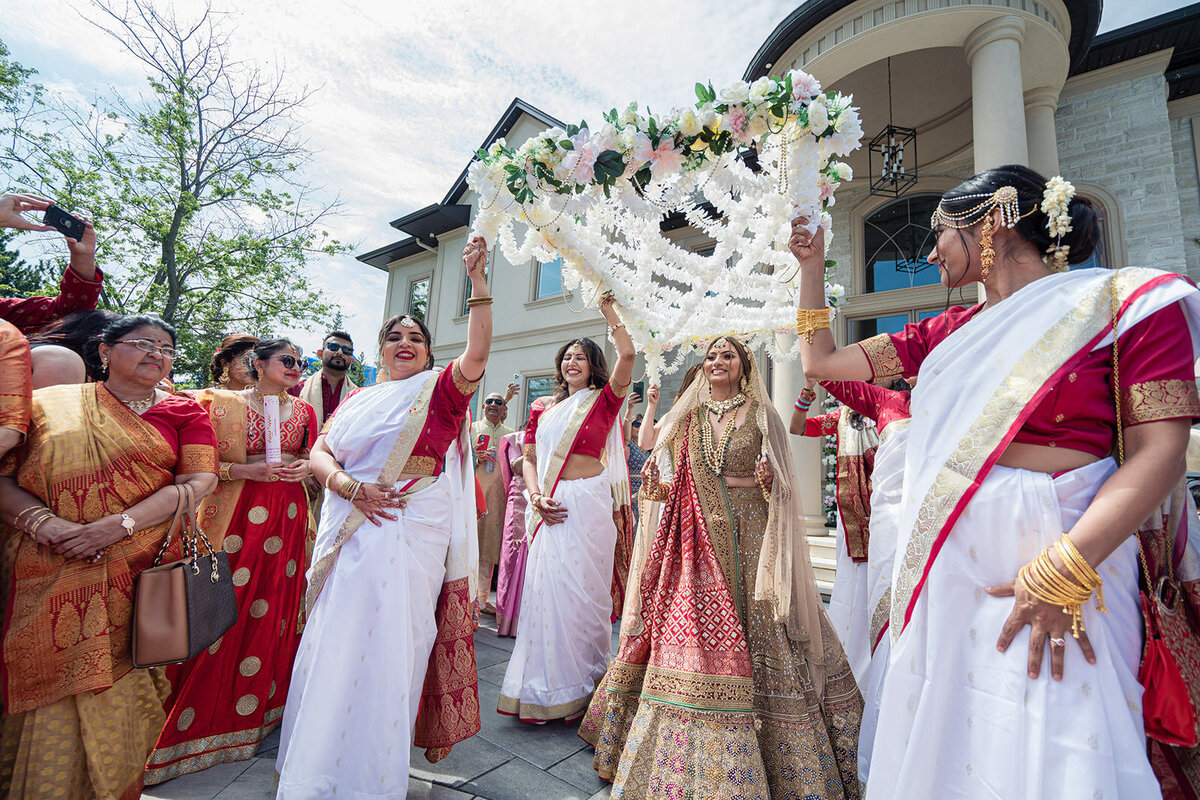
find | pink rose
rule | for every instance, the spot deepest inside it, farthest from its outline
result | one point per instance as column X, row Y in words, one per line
column 738, row 122
column 665, row 159
column 804, row 86
column 580, row 163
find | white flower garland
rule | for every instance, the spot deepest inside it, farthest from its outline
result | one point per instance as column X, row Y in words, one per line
column 1056, row 203
column 597, row 199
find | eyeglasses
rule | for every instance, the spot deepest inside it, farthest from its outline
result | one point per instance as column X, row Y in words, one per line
column 493, row 401
column 637, row 424
column 334, row 347
column 148, row 346
column 287, row 361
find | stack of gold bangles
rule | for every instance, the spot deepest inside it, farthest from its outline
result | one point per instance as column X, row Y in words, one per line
column 1044, row 581
column 347, row 489
column 656, row 492
column 37, row 518
column 482, row 300
column 811, row 320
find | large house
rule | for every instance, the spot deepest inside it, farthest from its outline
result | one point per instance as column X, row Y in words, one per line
column 978, row 83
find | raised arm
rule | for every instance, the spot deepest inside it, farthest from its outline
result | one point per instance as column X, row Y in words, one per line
column 479, row 319
column 822, row 359
column 648, row 434
column 622, row 372
column 802, row 405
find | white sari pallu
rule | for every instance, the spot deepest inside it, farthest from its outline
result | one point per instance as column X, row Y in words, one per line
column 957, row 718
column 564, row 643
column 381, row 600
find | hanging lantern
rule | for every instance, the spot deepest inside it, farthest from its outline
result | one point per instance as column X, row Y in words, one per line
column 894, row 149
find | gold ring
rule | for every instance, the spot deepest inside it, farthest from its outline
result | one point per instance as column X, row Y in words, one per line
column 273, row 478
column 1057, row 642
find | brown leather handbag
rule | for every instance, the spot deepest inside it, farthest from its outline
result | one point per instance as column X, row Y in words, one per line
column 181, row 608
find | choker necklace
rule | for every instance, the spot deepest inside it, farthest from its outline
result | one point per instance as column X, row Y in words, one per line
column 281, row 394
column 723, row 407
column 138, row 407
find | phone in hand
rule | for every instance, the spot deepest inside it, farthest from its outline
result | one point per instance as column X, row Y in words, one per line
column 516, row 378
column 64, row 222
column 639, row 387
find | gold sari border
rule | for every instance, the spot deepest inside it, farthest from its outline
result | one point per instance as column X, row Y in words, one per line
column 559, row 459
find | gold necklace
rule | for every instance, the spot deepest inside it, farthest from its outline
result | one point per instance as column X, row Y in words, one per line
column 715, row 455
column 281, row 394
column 138, row 407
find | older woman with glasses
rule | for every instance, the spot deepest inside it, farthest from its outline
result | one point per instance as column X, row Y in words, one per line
column 85, row 505
column 226, row 701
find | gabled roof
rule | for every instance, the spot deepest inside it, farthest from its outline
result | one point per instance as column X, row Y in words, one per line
column 1178, row 29
column 425, row 225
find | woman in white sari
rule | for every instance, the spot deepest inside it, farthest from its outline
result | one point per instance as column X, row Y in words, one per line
column 581, row 529
column 389, row 606
column 1010, row 490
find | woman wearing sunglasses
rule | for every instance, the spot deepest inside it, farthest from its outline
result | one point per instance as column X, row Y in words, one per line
column 225, row 701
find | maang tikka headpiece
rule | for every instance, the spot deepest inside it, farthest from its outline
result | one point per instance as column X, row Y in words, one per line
column 1005, row 198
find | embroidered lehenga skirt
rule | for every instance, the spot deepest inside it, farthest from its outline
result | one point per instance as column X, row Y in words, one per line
column 663, row 732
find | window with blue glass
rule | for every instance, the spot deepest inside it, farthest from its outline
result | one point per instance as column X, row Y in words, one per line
column 549, row 278
column 896, row 242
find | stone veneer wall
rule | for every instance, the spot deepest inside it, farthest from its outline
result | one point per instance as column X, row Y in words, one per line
column 1189, row 191
column 1119, row 136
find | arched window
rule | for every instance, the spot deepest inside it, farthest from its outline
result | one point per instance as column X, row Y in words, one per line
column 897, row 239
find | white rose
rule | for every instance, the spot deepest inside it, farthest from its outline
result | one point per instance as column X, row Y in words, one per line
column 760, row 89
column 689, row 123
column 630, row 117
column 818, row 116
column 843, row 171
column 708, row 117
column 735, row 93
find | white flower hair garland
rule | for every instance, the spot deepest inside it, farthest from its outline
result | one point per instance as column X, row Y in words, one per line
column 1056, row 203
column 739, row 166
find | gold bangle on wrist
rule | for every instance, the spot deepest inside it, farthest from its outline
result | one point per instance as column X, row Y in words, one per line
column 1042, row 579
column 482, row 300
column 223, row 471
column 811, row 320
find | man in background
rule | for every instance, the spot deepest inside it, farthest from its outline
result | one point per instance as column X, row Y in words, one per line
column 485, row 438
column 326, row 390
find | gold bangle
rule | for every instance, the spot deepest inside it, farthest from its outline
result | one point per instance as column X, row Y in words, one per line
column 483, row 300
column 223, row 471
column 1042, row 579
column 38, row 523
column 17, row 519
column 811, row 320
column 330, row 476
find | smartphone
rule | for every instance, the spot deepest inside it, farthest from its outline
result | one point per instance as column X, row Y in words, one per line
column 64, row 222
column 516, row 378
column 640, row 388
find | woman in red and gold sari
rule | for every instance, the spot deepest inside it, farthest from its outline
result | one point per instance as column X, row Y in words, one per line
column 16, row 387
column 729, row 680
column 388, row 656
column 580, row 528
column 225, row 701
column 1010, row 490
column 86, row 503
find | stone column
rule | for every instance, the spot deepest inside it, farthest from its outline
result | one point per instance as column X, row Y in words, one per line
column 998, row 109
column 1040, row 133
column 786, row 383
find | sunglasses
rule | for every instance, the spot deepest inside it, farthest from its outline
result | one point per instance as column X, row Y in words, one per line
column 288, row 361
column 149, row 346
column 334, row 347
column 493, row 401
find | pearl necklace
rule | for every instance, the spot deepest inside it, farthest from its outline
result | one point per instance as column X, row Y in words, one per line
column 715, row 455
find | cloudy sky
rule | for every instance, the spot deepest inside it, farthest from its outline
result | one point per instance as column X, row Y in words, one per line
column 407, row 90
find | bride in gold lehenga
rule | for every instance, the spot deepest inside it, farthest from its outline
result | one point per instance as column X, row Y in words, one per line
column 729, row 680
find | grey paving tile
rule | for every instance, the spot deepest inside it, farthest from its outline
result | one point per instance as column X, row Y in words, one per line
column 494, row 674
column 603, row 794
column 518, row 780
column 486, row 655
column 256, row 783
column 540, row 745
column 577, row 771
column 423, row 790
column 490, row 638
column 469, row 759
column 204, row 785
column 270, row 745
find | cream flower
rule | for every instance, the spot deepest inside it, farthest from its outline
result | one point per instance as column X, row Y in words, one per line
column 734, row 93
column 689, row 124
column 760, row 89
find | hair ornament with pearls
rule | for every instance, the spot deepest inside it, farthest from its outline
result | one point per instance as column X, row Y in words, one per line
column 1005, row 198
column 1056, row 202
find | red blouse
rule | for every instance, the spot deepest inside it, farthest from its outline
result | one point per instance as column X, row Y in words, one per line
column 874, row 402
column 186, row 426
column 296, row 433
column 1157, row 375
column 449, row 404
column 75, row 293
column 593, row 433
column 823, row 425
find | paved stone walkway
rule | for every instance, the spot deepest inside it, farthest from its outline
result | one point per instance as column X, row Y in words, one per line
column 505, row 761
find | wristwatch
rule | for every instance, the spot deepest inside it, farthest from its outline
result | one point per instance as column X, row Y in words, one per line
column 127, row 524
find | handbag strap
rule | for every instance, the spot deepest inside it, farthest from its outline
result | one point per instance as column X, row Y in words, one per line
column 1116, row 388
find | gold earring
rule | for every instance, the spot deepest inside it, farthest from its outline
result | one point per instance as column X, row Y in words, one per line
column 987, row 254
column 224, row 379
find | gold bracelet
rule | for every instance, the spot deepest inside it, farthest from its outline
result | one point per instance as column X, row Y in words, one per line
column 1042, row 579
column 484, row 300
column 17, row 519
column 38, row 523
column 223, row 471
column 811, row 320
column 330, row 476
column 1081, row 569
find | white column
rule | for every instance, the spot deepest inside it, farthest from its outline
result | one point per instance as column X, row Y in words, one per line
column 1040, row 133
column 998, row 109
column 786, row 383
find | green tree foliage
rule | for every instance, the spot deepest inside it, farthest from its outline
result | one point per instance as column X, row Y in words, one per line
column 195, row 185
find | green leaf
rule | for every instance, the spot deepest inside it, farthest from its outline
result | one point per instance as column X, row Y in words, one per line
column 609, row 166
column 567, row 144
column 701, row 92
